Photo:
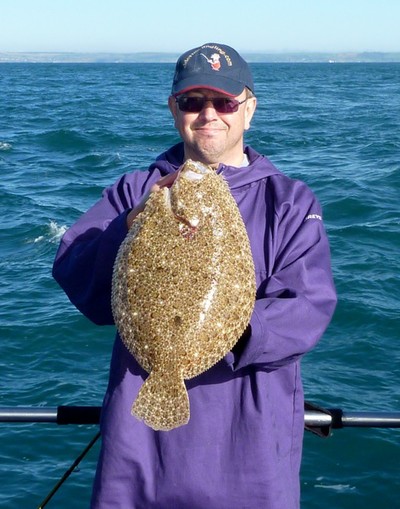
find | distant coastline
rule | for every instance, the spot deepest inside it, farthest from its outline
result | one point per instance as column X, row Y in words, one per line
column 289, row 57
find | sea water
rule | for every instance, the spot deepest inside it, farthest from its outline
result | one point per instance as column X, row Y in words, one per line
column 69, row 130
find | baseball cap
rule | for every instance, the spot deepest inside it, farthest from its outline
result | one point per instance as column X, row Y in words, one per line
column 214, row 66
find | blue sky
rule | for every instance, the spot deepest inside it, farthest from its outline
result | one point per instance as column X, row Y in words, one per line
column 175, row 25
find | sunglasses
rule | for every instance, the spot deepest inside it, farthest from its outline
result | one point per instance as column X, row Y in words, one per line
column 195, row 104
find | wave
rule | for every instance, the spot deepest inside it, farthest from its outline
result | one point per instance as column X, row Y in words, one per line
column 53, row 234
column 4, row 146
column 65, row 140
column 341, row 488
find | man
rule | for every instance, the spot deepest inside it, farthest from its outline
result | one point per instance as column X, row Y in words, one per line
column 242, row 446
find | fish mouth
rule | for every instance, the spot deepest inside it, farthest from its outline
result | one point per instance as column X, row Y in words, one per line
column 187, row 231
column 193, row 223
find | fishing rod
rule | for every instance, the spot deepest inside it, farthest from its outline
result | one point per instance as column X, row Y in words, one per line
column 69, row 471
column 315, row 416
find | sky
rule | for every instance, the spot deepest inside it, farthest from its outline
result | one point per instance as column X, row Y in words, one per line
column 126, row 26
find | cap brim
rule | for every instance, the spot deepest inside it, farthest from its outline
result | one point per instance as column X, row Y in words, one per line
column 222, row 85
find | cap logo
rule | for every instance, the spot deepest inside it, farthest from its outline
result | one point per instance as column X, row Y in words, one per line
column 213, row 61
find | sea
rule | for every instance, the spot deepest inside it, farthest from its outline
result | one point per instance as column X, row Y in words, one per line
column 69, row 130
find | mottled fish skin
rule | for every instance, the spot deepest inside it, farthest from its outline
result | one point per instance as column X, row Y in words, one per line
column 183, row 289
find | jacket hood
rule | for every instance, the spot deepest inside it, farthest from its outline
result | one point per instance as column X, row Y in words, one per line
column 259, row 166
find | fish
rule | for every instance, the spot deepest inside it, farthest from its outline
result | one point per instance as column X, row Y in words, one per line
column 183, row 289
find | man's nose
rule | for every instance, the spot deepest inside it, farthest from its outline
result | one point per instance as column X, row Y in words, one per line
column 209, row 109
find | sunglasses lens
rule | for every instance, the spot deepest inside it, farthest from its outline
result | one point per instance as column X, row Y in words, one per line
column 191, row 104
column 225, row 105
column 196, row 104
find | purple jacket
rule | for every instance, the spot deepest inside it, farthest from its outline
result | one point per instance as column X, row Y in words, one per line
column 242, row 446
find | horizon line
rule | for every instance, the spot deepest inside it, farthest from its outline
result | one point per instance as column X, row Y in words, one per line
column 257, row 56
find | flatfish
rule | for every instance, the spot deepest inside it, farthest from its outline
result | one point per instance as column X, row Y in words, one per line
column 183, row 289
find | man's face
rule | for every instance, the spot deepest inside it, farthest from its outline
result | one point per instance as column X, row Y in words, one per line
column 212, row 137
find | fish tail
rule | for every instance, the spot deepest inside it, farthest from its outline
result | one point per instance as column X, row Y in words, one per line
column 162, row 402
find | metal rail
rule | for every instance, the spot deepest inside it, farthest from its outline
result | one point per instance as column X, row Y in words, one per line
column 314, row 418
column 337, row 418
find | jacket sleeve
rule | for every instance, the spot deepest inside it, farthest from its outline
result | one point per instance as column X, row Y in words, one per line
column 296, row 300
column 84, row 262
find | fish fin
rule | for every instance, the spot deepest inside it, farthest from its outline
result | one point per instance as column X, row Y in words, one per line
column 163, row 401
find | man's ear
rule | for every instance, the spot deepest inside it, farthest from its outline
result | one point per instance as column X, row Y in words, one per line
column 251, row 105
